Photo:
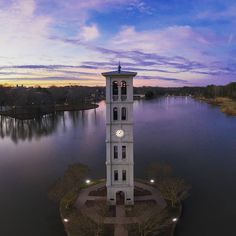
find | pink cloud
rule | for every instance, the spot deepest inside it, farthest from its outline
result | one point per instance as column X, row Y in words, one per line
column 175, row 40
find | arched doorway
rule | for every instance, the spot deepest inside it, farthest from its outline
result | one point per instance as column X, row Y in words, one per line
column 120, row 198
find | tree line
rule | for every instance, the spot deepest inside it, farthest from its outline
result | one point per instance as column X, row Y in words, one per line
column 210, row 91
column 23, row 96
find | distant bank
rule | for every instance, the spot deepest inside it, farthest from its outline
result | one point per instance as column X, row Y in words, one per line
column 227, row 105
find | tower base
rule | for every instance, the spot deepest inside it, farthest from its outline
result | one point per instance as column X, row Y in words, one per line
column 119, row 195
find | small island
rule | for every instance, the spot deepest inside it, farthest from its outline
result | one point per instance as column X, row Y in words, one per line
column 29, row 112
column 121, row 205
column 84, row 210
column 29, row 103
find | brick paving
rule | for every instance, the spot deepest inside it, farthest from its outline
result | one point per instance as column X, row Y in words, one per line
column 121, row 219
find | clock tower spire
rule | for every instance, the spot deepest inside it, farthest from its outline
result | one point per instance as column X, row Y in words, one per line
column 119, row 137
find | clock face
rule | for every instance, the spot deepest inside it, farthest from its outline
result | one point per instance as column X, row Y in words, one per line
column 120, row 133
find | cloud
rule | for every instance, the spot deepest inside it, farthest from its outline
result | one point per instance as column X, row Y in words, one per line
column 163, row 78
column 65, row 39
column 23, row 33
column 47, row 73
column 148, row 61
column 18, row 23
column 79, row 12
column 29, row 35
column 89, row 33
column 66, row 78
column 173, row 40
column 98, row 5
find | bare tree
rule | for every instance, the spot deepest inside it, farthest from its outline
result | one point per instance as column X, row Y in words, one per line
column 81, row 225
column 150, row 219
column 73, row 177
column 101, row 211
column 173, row 189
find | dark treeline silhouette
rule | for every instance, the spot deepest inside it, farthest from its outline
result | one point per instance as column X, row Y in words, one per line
column 210, row 91
column 72, row 95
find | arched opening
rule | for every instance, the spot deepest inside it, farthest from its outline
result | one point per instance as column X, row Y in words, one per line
column 120, row 198
column 115, row 90
column 123, row 90
column 123, row 113
column 115, row 113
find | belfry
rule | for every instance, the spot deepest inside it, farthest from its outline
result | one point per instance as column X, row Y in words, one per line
column 119, row 137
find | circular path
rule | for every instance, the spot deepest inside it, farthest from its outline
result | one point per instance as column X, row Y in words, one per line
column 120, row 220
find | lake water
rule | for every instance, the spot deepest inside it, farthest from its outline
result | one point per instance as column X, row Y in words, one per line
column 195, row 138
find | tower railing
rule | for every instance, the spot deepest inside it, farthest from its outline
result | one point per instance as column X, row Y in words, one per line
column 115, row 97
column 123, row 97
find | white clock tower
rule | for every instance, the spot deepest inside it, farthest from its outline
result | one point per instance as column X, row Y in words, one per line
column 119, row 137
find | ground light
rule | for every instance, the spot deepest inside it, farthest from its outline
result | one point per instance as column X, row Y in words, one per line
column 87, row 181
column 152, row 181
column 174, row 219
column 65, row 220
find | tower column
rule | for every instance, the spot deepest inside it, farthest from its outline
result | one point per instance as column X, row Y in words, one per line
column 119, row 136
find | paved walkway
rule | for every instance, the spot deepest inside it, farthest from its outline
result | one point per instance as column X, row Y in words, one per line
column 120, row 229
column 156, row 195
column 120, row 220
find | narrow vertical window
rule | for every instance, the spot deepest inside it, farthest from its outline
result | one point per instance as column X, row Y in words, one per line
column 124, row 175
column 115, row 175
column 123, row 152
column 123, row 90
column 115, row 113
column 115, row 152
column 115, row 90
column 123, row 113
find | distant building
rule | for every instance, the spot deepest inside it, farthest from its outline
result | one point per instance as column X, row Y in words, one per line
column 119, row 137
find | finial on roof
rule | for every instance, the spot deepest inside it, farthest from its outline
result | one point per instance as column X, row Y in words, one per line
column 119, row 67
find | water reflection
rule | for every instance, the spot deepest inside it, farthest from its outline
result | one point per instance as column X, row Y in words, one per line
column 26, row 130
column 195, row 138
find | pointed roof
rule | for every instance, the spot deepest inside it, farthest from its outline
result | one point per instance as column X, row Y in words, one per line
column 119, row 72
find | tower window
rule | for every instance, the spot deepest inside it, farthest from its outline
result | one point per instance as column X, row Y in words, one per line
column 115, row 90
column 123, row 113
column 115, row 175
column 115, row 152
column 123, row 88
column 115, row 113
column 123, row 152
column 124, row 175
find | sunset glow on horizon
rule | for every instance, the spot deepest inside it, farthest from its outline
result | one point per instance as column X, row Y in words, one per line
column 169, row 43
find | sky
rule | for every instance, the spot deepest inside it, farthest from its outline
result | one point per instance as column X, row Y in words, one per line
column 170, row 43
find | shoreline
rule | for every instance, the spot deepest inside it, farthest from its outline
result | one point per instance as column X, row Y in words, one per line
column 227, row 105
column 32, row 112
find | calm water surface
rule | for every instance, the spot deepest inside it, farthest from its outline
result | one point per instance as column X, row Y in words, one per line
column 196, row 138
